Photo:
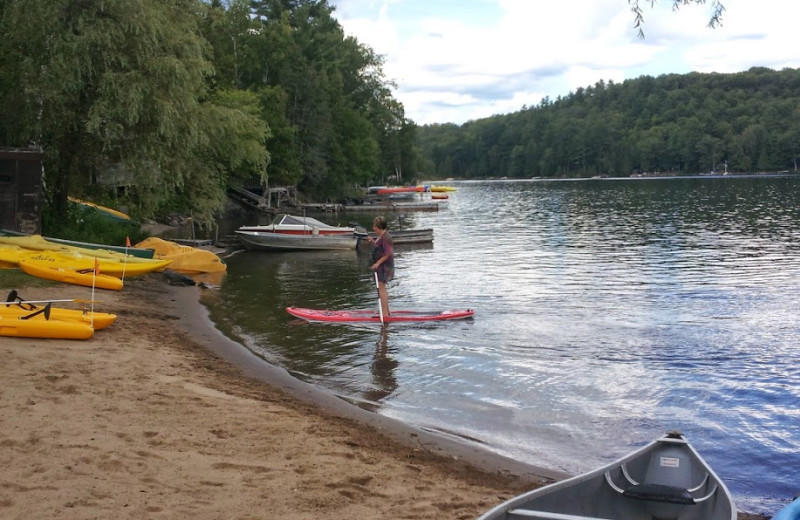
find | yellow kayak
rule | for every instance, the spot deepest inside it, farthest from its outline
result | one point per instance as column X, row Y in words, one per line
column 101, row 320
column 40, row 327
column 10, row 255
column 84, row 277
column 39, row 243
column 185, row 259
column 107, row 266
column 111, row 212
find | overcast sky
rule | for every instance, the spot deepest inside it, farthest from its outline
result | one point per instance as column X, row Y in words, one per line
column 458, row 60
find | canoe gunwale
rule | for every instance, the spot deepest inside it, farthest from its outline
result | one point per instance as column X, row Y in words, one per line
column 546, row 502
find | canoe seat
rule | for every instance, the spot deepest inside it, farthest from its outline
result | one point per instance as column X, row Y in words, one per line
column 659, row 493
column 547, row 515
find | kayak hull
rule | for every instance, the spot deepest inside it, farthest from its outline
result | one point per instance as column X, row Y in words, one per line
column 370, row 316
column 40, row 327
column 100, row 320
column 42, row 269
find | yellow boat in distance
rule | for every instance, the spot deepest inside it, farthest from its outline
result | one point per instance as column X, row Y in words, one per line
column 84, row 277
column 39, row 326
column 441, row 188
column 109, row 212
column 107, row 266
column 101, row 320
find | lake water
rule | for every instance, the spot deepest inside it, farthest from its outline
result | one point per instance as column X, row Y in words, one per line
column 607, row 312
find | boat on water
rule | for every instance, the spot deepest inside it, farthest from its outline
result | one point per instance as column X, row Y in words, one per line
column 296, row 225
column 405, row 236
column 274, row 241
column 296, row 233
column 664, row 480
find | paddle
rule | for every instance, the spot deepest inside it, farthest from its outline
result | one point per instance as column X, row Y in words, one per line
column 15, row 299
column 377, row 286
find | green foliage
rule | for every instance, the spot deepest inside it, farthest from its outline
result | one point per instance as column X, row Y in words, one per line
column 715, row 19
column 86, row 224
column 683, row 124
column 182, row 98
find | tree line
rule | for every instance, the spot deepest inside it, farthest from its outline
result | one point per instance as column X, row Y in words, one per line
column 183, row 97
column 683, row 124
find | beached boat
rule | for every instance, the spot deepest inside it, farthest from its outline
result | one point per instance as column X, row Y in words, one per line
column 272, row 241
column 296, row 225
column 108, row 266
column 17, row 307
column 85, row 277
column 40, row 324
column 41, row 243
column 185, row 259
column 664, row 480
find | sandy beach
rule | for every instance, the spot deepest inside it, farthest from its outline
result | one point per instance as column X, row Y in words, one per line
column 160, row 416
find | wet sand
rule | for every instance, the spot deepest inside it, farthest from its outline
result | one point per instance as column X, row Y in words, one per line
column 160, row 416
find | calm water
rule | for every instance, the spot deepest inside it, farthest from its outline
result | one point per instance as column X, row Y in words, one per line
column 607, row 312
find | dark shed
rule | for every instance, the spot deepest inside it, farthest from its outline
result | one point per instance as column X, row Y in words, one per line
column 21, row 190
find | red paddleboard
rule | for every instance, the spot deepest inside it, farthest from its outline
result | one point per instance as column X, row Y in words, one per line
column 372, row 316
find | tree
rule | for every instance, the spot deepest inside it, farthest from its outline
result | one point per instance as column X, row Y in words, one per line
column 715, row 20
column 124, row 85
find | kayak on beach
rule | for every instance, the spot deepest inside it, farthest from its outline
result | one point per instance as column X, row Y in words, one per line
column 371, row 316
column 39, row 324
column 16, row 307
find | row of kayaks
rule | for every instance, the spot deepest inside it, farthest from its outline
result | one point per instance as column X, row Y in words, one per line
column 42, row 319
column 104, row 269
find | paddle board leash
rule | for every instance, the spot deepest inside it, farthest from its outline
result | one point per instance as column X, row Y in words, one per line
column 377, row 286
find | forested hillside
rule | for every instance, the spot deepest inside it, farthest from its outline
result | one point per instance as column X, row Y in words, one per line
column 684, row 124
column 180, row 98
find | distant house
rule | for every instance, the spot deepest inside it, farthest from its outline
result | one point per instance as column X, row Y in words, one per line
column 21, row 177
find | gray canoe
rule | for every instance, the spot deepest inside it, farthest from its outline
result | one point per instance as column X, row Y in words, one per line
column 664, row 480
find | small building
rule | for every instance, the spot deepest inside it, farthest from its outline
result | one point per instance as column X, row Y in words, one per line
column 21, row 177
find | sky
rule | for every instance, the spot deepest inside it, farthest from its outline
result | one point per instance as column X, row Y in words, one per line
column 459, row 60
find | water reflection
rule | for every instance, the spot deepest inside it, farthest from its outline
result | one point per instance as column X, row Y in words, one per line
column 382, row 368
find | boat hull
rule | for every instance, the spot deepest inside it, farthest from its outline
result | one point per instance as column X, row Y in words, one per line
column 45, row 270
column 98, row 320
column 107, row 266
column 371, row 316
column 267, row 241
column 673, row 482
column 40, row 327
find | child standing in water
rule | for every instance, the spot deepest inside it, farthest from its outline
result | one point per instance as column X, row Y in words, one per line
column 382, row 260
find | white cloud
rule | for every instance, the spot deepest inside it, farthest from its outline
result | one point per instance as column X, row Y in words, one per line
column 456, row 60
